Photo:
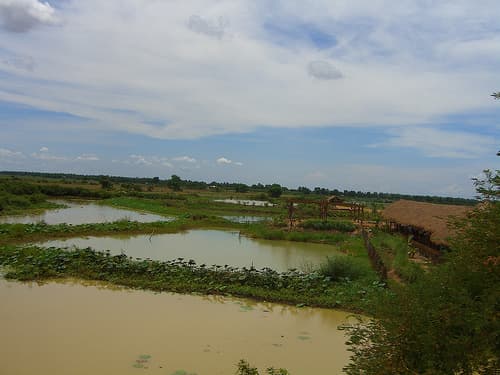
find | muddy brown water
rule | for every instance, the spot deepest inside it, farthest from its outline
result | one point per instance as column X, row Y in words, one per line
column 82, row 212
column 70, row 328
column 209, row 247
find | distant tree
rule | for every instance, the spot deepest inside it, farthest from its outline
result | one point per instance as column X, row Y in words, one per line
column 275, row 191
column 241, row 188
column 496, row 95
column 304, row 190
column 156, row 180
column 174, row 183
column 105, row 182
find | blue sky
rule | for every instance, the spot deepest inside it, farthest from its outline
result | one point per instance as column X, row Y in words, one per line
column 364, row 95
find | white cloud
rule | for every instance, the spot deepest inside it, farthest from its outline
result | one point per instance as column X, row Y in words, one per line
column 186, row 159
column 44, row 149
column 88, row 157
column 9, row 154
column 440, row 143
column 153, row 60
column 140, row 160
column 48, row 157
column 22, row 15
column 323, row 70
column 223, row 160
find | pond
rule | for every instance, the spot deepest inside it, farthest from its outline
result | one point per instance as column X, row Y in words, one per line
column 209, row 247
column 246, row 219
column 71, row 328
column 246, row 202
column 82, row 212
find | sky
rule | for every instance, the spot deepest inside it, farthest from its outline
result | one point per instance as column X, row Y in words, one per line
column 370, row 95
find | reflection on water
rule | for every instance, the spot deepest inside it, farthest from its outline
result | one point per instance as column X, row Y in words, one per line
column 83, row 212
column 246, row 219
column 209, row 247
column 72, row 329
column 246, row 202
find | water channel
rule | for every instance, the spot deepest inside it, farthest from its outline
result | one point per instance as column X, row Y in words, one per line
column 209, row 247
column 81, row 212
column 65, row 328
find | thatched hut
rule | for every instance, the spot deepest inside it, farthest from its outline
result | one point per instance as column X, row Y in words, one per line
column 428, row 223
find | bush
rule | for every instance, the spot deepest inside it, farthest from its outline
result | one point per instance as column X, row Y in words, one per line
column 341, row 226
column 343, row 267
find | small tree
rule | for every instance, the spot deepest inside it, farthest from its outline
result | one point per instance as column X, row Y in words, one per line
column 275, row 191
column 241, row 188
column 174, row 183
column 106, row 182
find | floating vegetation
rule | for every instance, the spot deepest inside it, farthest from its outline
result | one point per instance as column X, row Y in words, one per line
column 245, row 307
column 183, row 372
column 293, row 287
column 142, row 361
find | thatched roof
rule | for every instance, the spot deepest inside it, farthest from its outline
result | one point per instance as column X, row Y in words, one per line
column 428, row 216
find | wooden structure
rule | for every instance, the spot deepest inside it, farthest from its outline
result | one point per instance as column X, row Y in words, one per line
column 333, row 203
column 428, row 223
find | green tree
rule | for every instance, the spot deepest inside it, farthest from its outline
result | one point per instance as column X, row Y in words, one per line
column 105, row 182
column 448, row 321
column 174, row 183
column 241, row 188
column 275, row 191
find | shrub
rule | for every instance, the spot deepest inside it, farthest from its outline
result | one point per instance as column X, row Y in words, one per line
column 341, row 226
column 343, row 267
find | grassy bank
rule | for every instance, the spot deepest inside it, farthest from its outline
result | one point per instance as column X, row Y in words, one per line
column 180, row 204
column 22, row 233
column 293, row 287
column 394, row 251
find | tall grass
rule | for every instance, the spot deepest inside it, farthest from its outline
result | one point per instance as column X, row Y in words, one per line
column 338, row 225
column 339, row 268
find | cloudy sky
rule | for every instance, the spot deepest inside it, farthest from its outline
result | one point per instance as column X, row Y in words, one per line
column 372, row 95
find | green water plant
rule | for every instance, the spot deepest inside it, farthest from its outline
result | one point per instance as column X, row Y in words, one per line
column 185, row 276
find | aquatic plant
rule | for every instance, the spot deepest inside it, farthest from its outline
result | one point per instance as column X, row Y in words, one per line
column 179, row 275
column 244, row 368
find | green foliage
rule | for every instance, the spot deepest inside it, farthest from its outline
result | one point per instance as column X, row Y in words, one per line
column 271, row 233
column 275, row 191
column 241, row 188
column 394, row 250
column 244, row 368
column 344, row 268
column 17, row 196
column 174, row 183
column 106, row 182
column 488, row 187
column 341, row 226
column 447, row 321
column 184, row 276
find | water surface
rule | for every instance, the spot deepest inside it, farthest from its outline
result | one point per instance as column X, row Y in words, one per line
column 61, row 329
column 246, row 202
column 246, row 219
column 209, row 247
column 83, row 212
